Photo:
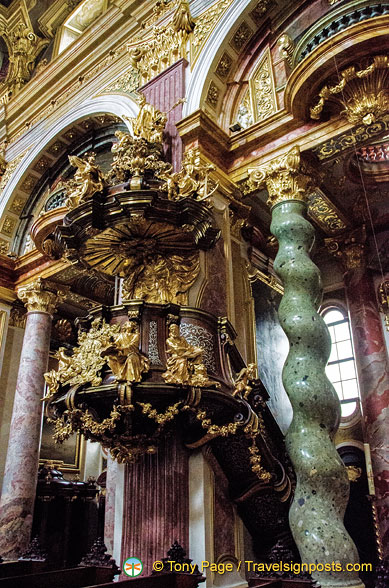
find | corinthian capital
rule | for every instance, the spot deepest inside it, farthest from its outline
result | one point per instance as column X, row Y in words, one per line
column 349, row 249
column 41, row 296
column 287, row 177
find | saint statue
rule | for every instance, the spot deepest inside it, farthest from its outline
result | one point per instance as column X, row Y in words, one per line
column 185, row 361
column 124, row 358
column 88, row 180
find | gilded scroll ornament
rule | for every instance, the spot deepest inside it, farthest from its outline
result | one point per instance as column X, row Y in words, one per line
column 353, row 473
column 85, row 364
column 362, row 92
column 262, row 90
column 88, row 180
column 39, row 296
column 185, row 364
column 321, row 210
column 287, row 178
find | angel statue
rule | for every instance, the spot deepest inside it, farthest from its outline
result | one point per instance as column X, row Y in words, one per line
column 244, row 379
column 88, row 180
column 185, row 362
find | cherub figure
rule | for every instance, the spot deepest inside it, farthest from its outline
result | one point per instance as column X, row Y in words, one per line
column 88, row 180
column 243, row 381
column 64, row 372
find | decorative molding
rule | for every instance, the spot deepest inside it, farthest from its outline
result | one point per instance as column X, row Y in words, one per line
column 224, row 66
column 325, row 214
column 126, row 83
column 205, row 23
column 241, row 37
column 356, row 136
column 213, row 95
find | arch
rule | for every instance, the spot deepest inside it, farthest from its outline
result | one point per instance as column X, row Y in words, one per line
column 234, row 14
column 40, row 137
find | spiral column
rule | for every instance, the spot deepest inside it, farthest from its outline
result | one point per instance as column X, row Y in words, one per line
column 321, row 495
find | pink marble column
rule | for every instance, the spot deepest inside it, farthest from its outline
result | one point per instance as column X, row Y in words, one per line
column 163, row 91
column 373, row 373
column 156, row 503
column 20, row 477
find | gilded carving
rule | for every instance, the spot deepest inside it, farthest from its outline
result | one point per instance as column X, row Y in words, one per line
column 39, row 296
column 62, row 330
column 324, row 213
column 362, row 92
column 262, row 90
column 287, row 178
column 353, row 473
column 24, row 47
column 192, row 181
column 213, row 94
column 165, row 46
column 88, row 180
column 259, row 10
column 127, row 83
column 286, row 48
column 11, row 167
column 17, row 205
column 206, row 22
column 185, row 364
column 224, row 66
column 141, row 252
column 8, row 225
column 241, row 36
column 4, row 246
column 150, row 122
column 127, row 363
column 349, row 249
column 245, row 114
column 85, row 364
column 244, row 381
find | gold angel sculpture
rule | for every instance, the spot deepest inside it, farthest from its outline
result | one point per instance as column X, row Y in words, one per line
column 88, row 180
column 185, row 364
column 243, row 381
column 191, row 181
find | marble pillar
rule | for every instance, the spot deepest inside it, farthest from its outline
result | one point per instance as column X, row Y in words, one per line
column 373, row 368
column 156, row 503
column 20, row 477
column 322, row 490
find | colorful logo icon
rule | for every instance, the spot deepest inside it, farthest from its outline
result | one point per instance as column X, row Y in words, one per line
column 132, row 567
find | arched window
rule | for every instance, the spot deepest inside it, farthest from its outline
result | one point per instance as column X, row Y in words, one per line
column 78, row 21
column 341, row 369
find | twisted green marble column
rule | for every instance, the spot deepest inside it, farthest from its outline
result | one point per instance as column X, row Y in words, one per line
column 320, row 499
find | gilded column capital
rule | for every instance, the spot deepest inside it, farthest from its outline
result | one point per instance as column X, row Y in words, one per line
column 287, row 177
column 349, row 249
column 42, row 296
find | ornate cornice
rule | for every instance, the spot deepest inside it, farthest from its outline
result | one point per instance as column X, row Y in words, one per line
column 349, row 249
column 42, row 296
column 287, row 177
